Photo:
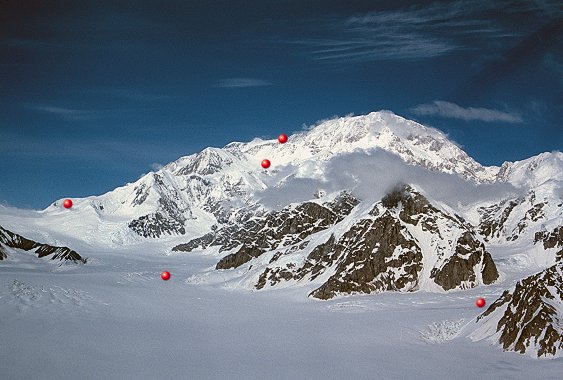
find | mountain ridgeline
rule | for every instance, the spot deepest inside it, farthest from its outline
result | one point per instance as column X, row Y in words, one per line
column 298, row 223
column 10, row 242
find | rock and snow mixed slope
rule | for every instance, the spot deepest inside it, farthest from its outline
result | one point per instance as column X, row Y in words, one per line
column 11, row 242
column 529, row 317
column 335, row 238
column 196, row 189
column 536, row 211
column 402, row 243
column 252, row 234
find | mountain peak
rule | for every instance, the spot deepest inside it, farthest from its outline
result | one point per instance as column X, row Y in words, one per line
column 533, row 171
column 204, row 187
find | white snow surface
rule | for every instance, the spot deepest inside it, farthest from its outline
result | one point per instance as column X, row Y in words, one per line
column 366, row 154
column 115, row 318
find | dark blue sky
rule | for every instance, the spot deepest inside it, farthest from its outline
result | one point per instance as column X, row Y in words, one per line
column 95, row 93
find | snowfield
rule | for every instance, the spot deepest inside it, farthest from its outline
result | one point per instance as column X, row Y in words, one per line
column 115, row 318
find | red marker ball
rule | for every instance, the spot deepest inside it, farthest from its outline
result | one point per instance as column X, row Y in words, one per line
column 265, row 163
column 67, row 203
column 480, row 302
column 165, row 275
column 282, row 138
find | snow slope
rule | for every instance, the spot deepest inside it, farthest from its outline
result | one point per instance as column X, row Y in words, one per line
column 189, row 195
column 194, row 189
column 115, row 318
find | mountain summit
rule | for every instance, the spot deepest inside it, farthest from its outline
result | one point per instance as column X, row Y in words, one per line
column 194, row 192
column 354, row 205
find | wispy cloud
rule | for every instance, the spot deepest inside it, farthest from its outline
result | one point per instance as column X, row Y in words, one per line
column 241, row 82
column 84, row 115
column 416, row 32
column 454, row 111
column 69, row 113
column 133, row 95
column 155, row 166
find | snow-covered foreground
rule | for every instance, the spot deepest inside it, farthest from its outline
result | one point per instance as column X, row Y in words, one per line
column 115, row 318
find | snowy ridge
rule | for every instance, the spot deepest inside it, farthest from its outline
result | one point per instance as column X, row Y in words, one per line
column 402, row 243
column 11, row 243
column 326, row 220
column 534, row 171
column 197, row 191
column 413, row 142
column 528, row 318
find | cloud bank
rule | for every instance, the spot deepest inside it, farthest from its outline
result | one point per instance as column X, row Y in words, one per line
column 411, row 33
column 371, row 175
column 451, row 110
column 155, row 166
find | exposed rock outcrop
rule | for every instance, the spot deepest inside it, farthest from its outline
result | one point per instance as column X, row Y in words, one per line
column 388, row 250
column 513, row 219
column 172, row 210
column 553, row 239
column 13, row 240
column 264, row 232
column 529, row 317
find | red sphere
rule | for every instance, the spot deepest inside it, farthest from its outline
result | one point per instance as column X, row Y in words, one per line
column 165, row 275
column 282, row 138
column 266, row 163
column 480, row 302
column 67, row 203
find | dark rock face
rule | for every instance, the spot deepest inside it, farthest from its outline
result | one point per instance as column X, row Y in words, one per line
column 379, row 253
column 243, row 255
column 553, row 239
column 368, row 264
column 286, row 227
column 494, row 217
column 320, row 259
column 342, row 205
column 170, row 217
column 156, row 225
column 512, row 218
column 458, row 269
column 262, row 232
column 530, row 314
column 230, row 235
column 12, row 240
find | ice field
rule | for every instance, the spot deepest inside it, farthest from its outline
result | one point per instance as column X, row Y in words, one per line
column 115, row 318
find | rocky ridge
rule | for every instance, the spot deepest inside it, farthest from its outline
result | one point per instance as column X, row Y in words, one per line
column 9, row 239
column 213, row 181
column 254, row 234
column 529, row 317
column 403, row 243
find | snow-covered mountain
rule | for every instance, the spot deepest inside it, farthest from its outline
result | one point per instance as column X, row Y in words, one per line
column 189, row 195
column 402, row 243
column 327, row 215
column 545, row 168
column 216, row 186
column 538, row 210
column 529, row 317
